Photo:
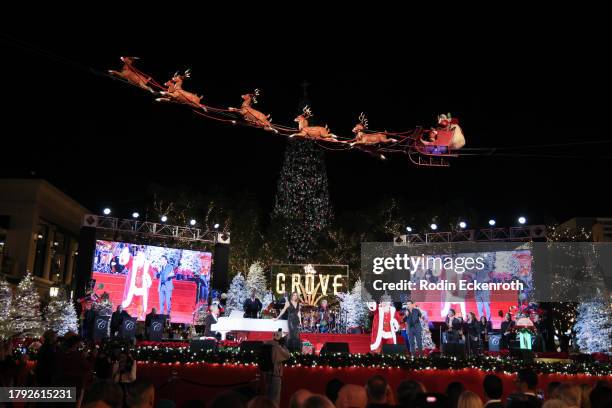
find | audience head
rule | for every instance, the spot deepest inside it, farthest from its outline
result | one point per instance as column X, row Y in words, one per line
column 570, row 394
column 332, row 388
column 298, row 398
column 526, row 380
column 554, row 403
column 261, row 402
column 601, row 396
column 407, row 392
column 228, row 399
column 584, row 395
column 352, row 396
column 552, row 389
column 376, row 389
column 140, row 394
column 318, row 401
column 103, row 394
column 153, row 311
column 493, row 387
column 469, row 399
column 453, row 391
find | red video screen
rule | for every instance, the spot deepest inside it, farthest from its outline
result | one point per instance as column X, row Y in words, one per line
column 143, row 277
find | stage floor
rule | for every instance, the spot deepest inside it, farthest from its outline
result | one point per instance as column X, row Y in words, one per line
column 358, row 343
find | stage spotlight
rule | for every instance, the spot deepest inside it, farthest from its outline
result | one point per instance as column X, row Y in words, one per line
column 216, row 226
column 522, row 220
column 434, row 226
column 164, row 218
column 492, row 222
column 409, row 229
column 192, row 222
column 107, row 211
column 462, row 225
column 135, row 215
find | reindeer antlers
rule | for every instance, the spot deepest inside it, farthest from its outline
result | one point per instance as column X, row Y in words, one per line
column 307, row 112
column 363, row 120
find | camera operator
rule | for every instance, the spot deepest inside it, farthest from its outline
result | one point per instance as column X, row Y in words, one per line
column 124, row 369
column 273, row 354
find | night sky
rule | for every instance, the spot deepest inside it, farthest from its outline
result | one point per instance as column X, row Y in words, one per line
column 103, row 142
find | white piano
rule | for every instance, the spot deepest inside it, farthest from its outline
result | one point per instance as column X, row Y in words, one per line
column 235, row 322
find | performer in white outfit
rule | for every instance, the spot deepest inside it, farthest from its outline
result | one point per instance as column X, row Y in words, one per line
column 138, row 280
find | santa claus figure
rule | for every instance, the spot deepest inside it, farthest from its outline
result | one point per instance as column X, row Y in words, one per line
column 138, row 279
column 384, row 324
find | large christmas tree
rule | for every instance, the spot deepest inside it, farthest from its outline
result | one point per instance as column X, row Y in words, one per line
column 6, row 299
column 60, row 315
column 24, row 314
column 302, row 205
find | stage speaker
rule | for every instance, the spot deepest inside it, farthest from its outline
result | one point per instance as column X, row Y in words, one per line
column 251, row 346
column 84, row 261
column 220, row 266
column 454, row 349
column 202, row 345
column 334, row 347
column 101, row 327
column 127, row 331
column 394, row 349
column 494, row 340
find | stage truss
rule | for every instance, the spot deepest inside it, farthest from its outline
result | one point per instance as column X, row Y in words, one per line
column 512, row 234
column 155, row 229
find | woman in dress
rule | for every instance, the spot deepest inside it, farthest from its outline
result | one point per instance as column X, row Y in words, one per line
column 294, row 316
column 485, row 328
column 473, row 331
column 426, row 333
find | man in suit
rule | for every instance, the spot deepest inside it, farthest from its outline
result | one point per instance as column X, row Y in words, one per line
column 413, row 328
column 493, row 389
column 526, row 384
column 252, row 306
column 166, row 275
column 117, row 320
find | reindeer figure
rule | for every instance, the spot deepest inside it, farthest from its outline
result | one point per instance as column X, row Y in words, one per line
column 314, row 132
column 368, row 138
column 177, row 94
column 132, row 75
column 253, row 116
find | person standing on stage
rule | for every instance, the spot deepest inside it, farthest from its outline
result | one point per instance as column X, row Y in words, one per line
column 540, row 333
column 209, row 320
column 117, row 320
column 473, row 334
column 165, row 287
column 252, row 306
column 294, row 317
column 414, row 329
column 507, row 331
column 323, row 317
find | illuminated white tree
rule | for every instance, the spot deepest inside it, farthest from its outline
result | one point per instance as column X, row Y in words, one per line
column 236, row 295
column 353, row 307
column 24, row 315
column 60, row 315
column 256, row 279
column 6, row 299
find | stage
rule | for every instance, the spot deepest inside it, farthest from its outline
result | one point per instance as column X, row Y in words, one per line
column 358, row 343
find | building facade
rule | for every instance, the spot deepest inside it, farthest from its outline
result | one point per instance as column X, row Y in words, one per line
column 39, row 230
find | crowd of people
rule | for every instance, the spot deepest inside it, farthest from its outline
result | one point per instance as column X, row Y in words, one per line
column 105, row 376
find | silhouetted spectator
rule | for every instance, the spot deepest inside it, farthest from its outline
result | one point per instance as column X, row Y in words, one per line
column 47, row 362
column 103, row 392
column 298, row 398
column 601, row 396
column 570, row 394
column 526, row 383
column 332, row 388
column 453, row 391
column 469, row 399
column 552, row 387
column 493, row 389
column 140, row 394
column 407, row 392
column 318, row 401
column 352, row 396
column 228, row 399
column 379, row 392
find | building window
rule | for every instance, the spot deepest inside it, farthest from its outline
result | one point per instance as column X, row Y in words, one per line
column 41, row 250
